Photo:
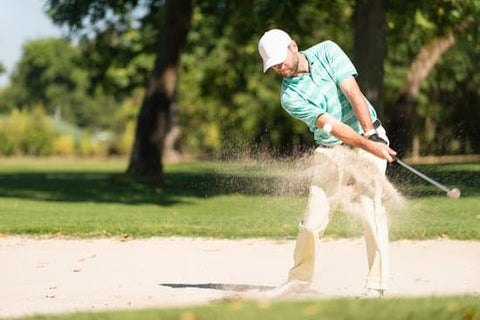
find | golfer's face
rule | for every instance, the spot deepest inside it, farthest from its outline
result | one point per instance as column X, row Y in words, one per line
column 287, row 68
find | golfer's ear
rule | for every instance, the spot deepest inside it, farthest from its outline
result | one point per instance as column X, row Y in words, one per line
column 293, row 46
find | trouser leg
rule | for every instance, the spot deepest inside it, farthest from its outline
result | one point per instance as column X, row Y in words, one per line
column 316, row 217
column 313, row 225
column 376, row 231
column 376, row 240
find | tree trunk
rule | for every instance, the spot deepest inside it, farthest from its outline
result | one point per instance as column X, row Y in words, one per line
column 153, row 120
column 170, row 150
column 370, row 48
column 401, row 123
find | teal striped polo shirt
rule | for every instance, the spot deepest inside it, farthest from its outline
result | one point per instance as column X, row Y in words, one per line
column 311, row 94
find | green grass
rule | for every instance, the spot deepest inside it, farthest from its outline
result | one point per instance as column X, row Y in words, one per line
column 445, row 308
column 429, row 213
column 92, row 198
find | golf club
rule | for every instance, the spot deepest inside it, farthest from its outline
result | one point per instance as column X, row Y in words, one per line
column 451, row 193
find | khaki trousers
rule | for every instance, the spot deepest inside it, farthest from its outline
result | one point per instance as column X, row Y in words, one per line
column 322, row 203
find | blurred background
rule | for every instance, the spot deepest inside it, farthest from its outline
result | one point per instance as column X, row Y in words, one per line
column 159, row 80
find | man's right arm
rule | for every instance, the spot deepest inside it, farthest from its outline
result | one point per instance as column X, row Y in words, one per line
column 352, row 138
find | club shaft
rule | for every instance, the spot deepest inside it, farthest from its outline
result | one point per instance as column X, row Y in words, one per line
column 421, row 175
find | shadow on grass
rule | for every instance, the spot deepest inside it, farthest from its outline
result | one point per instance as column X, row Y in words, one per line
column 94, row 186
column 119, row 188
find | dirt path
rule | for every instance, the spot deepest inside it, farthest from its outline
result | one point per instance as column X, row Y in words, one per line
column 57, row 275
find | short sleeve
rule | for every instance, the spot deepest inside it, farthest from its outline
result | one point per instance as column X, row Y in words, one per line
column 302, row 110
column 340, row 65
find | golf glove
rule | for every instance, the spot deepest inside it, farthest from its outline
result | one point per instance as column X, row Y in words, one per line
column 375, row 137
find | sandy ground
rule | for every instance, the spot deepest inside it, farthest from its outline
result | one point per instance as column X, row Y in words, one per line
column 58, row 275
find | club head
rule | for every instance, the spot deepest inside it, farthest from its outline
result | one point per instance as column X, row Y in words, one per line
column 454, row 193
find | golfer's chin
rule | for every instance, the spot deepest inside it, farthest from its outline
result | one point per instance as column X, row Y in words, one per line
column 287, row 74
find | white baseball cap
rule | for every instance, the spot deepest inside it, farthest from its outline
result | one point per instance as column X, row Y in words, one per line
column 273, row 47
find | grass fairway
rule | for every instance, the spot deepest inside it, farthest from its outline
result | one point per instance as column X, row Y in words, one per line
column 86, row 198
column 92, row 198
column 446, row 308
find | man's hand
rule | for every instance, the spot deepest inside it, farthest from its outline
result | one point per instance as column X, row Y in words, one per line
column 380, row 149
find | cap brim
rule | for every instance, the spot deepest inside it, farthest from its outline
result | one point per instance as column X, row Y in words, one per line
column 275, row 60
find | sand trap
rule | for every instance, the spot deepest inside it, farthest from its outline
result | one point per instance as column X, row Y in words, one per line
column 58, row 275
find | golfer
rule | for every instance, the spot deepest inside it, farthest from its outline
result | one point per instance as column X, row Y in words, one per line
column 319, row 88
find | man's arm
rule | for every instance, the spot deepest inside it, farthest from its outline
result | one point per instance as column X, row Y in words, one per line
column 352, row 92
column 352, row 138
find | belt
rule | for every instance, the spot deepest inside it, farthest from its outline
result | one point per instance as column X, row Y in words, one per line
column 331, row 146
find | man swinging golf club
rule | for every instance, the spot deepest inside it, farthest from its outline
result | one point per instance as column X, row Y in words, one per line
column 319, row 88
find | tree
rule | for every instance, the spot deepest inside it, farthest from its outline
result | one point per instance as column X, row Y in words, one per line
column 229, row 59
column 47, row 74
column 154, row 117
column 119, row 60
column 170, row 20
column 420, row 68
column 46, row 71
column 370, row 47
column 233, row 107
column 434, row 30
column 50, row 74
column 225, row 102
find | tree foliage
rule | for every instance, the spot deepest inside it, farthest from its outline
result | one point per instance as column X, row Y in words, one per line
column 225, row 105
column 418, row 116
column 223, row 92
column 50, row 74
column 170, row 22
column 46, row 73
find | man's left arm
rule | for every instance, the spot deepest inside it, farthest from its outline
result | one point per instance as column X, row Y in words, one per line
column 356, row 98
column 351, row 90
column 344, row 77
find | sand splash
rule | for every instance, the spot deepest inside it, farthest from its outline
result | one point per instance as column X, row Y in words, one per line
column 293, row 177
